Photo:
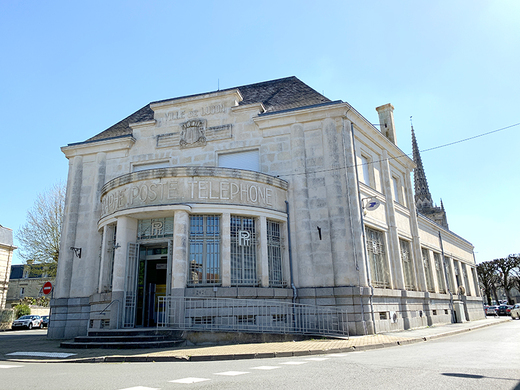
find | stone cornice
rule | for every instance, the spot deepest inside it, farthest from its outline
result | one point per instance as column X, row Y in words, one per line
column 93, row 147
column 189, row 99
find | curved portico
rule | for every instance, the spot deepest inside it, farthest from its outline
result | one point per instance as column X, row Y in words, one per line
column 190, row 227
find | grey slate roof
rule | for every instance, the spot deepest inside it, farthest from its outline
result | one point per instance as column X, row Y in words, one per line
column 275, row 95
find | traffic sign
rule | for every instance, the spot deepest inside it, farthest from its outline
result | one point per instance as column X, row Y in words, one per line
column 47, row 288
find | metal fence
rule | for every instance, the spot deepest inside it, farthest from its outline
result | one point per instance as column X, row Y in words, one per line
column 250, row 315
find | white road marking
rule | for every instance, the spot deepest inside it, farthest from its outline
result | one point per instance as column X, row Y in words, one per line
column 264, row 368
column 189, row 380
column 232, row 373
column 6, row 366
column 141, row 388
column 42, row 354
column 317, row 359
column 293, row 363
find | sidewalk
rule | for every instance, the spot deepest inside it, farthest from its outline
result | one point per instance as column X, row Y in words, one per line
column 39, row 349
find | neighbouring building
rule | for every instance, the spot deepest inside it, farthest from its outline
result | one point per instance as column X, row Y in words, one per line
column 270, row 192
column 27, row 280
column 6, row 256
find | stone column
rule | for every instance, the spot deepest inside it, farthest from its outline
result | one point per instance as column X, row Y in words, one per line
column 126, row 233
column 263, row 260
column 419, row 275
column 180, row 249
column 394, row 255
column 71, row 214
column 225, row 249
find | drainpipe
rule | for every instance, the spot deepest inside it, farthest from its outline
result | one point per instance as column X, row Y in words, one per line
column 447, row 280
column 295, row 293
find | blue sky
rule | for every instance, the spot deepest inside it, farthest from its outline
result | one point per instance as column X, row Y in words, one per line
column 70, row 69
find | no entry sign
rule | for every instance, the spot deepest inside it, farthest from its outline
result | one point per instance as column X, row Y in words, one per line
column 47, row 288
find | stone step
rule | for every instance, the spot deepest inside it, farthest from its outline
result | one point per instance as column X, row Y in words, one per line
column 120, row 339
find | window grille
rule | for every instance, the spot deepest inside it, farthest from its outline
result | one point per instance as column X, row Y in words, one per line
column 243, row 251
column 427, row 270
column 377, row 258
column 448, row 272
column 155, row 228
column 440, row 274
column 204, row 250
column 408, row 270
column 274, row 254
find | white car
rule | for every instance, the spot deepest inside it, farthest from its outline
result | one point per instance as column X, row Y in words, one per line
column 515, row 312
column 29, row 322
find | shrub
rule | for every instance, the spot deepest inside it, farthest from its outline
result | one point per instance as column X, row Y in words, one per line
column 22, row 310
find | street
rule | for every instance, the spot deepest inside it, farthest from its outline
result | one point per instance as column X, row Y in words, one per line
column 488, row 358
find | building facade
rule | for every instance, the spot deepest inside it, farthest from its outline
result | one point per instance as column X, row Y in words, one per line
column 6, row 256
column 268, row 191
column 27, row 280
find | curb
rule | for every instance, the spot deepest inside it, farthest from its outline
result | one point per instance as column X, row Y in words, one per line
column 260, row 355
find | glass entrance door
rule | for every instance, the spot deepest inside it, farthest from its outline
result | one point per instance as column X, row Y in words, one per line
column 151, row 283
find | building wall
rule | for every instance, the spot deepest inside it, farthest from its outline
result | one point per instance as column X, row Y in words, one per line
column 312, row 158
column 6, row 254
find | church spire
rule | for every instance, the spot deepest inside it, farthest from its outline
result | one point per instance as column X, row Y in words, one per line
column 423, row 198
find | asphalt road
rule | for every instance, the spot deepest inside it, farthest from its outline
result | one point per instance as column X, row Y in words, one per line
column 488, row 358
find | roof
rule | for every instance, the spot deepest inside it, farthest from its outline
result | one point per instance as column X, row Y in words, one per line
column 275, row 95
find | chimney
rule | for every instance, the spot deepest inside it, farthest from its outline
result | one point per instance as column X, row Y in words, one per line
column 386, row 121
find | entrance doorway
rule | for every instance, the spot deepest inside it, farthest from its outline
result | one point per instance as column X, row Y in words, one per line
column 151, row 283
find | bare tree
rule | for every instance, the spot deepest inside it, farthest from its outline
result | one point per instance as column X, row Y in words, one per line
column 39, row 237
column 506, row 267
column 488, row 278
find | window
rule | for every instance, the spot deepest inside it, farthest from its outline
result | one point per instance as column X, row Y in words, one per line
column 395, row 189
column 466, row 280
column 377, row 258
column 249, row 160
column 22, row 291
column 204, row 250
column 274, row 254
column 365, row 177
column 406, row 258
column 457, row 275
column 155, row 228
column 448, row 273
column 427, row 270
column 439, row 270
column 243, row 251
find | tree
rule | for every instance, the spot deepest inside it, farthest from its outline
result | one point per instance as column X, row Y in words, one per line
column 506, row 267
column 488, row 277
column 40, row 236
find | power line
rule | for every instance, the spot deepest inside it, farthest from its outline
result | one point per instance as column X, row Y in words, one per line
column 410, row 154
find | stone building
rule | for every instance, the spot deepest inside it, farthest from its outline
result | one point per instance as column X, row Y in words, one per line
column 27, row 280
column 268, row 191
column 6, row 256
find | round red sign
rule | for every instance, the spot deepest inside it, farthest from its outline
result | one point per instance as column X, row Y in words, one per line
column 47, row 288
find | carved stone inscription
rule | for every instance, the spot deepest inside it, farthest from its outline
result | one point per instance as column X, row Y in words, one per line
column 185, row 190
column 177, row 115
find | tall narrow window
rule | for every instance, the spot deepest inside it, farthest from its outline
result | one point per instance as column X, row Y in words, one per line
column 365, row 177
column 457, row 275
column 408, row 271
column 377, row 258
column 204, row 255
column 274, row 254
column 427, row 270
column 449, row 273
column 440, row 272
column 243, row 251
column 466, row 279
column 395, row 189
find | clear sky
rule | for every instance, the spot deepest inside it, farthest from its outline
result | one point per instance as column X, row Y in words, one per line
column 71, row 69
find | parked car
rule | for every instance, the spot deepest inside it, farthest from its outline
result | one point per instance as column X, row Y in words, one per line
column 515, row 312
column 504, row 310
column 29, row 322
column 491, row 310
column 45, row 321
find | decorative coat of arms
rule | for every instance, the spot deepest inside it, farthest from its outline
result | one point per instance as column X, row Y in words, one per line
column 193, row 133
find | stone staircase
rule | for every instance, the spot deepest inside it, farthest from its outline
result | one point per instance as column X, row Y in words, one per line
column 127, row 339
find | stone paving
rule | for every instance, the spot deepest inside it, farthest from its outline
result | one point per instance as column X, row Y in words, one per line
column 41, row 349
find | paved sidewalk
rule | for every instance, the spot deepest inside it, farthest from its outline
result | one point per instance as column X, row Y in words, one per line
column 39, row 349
